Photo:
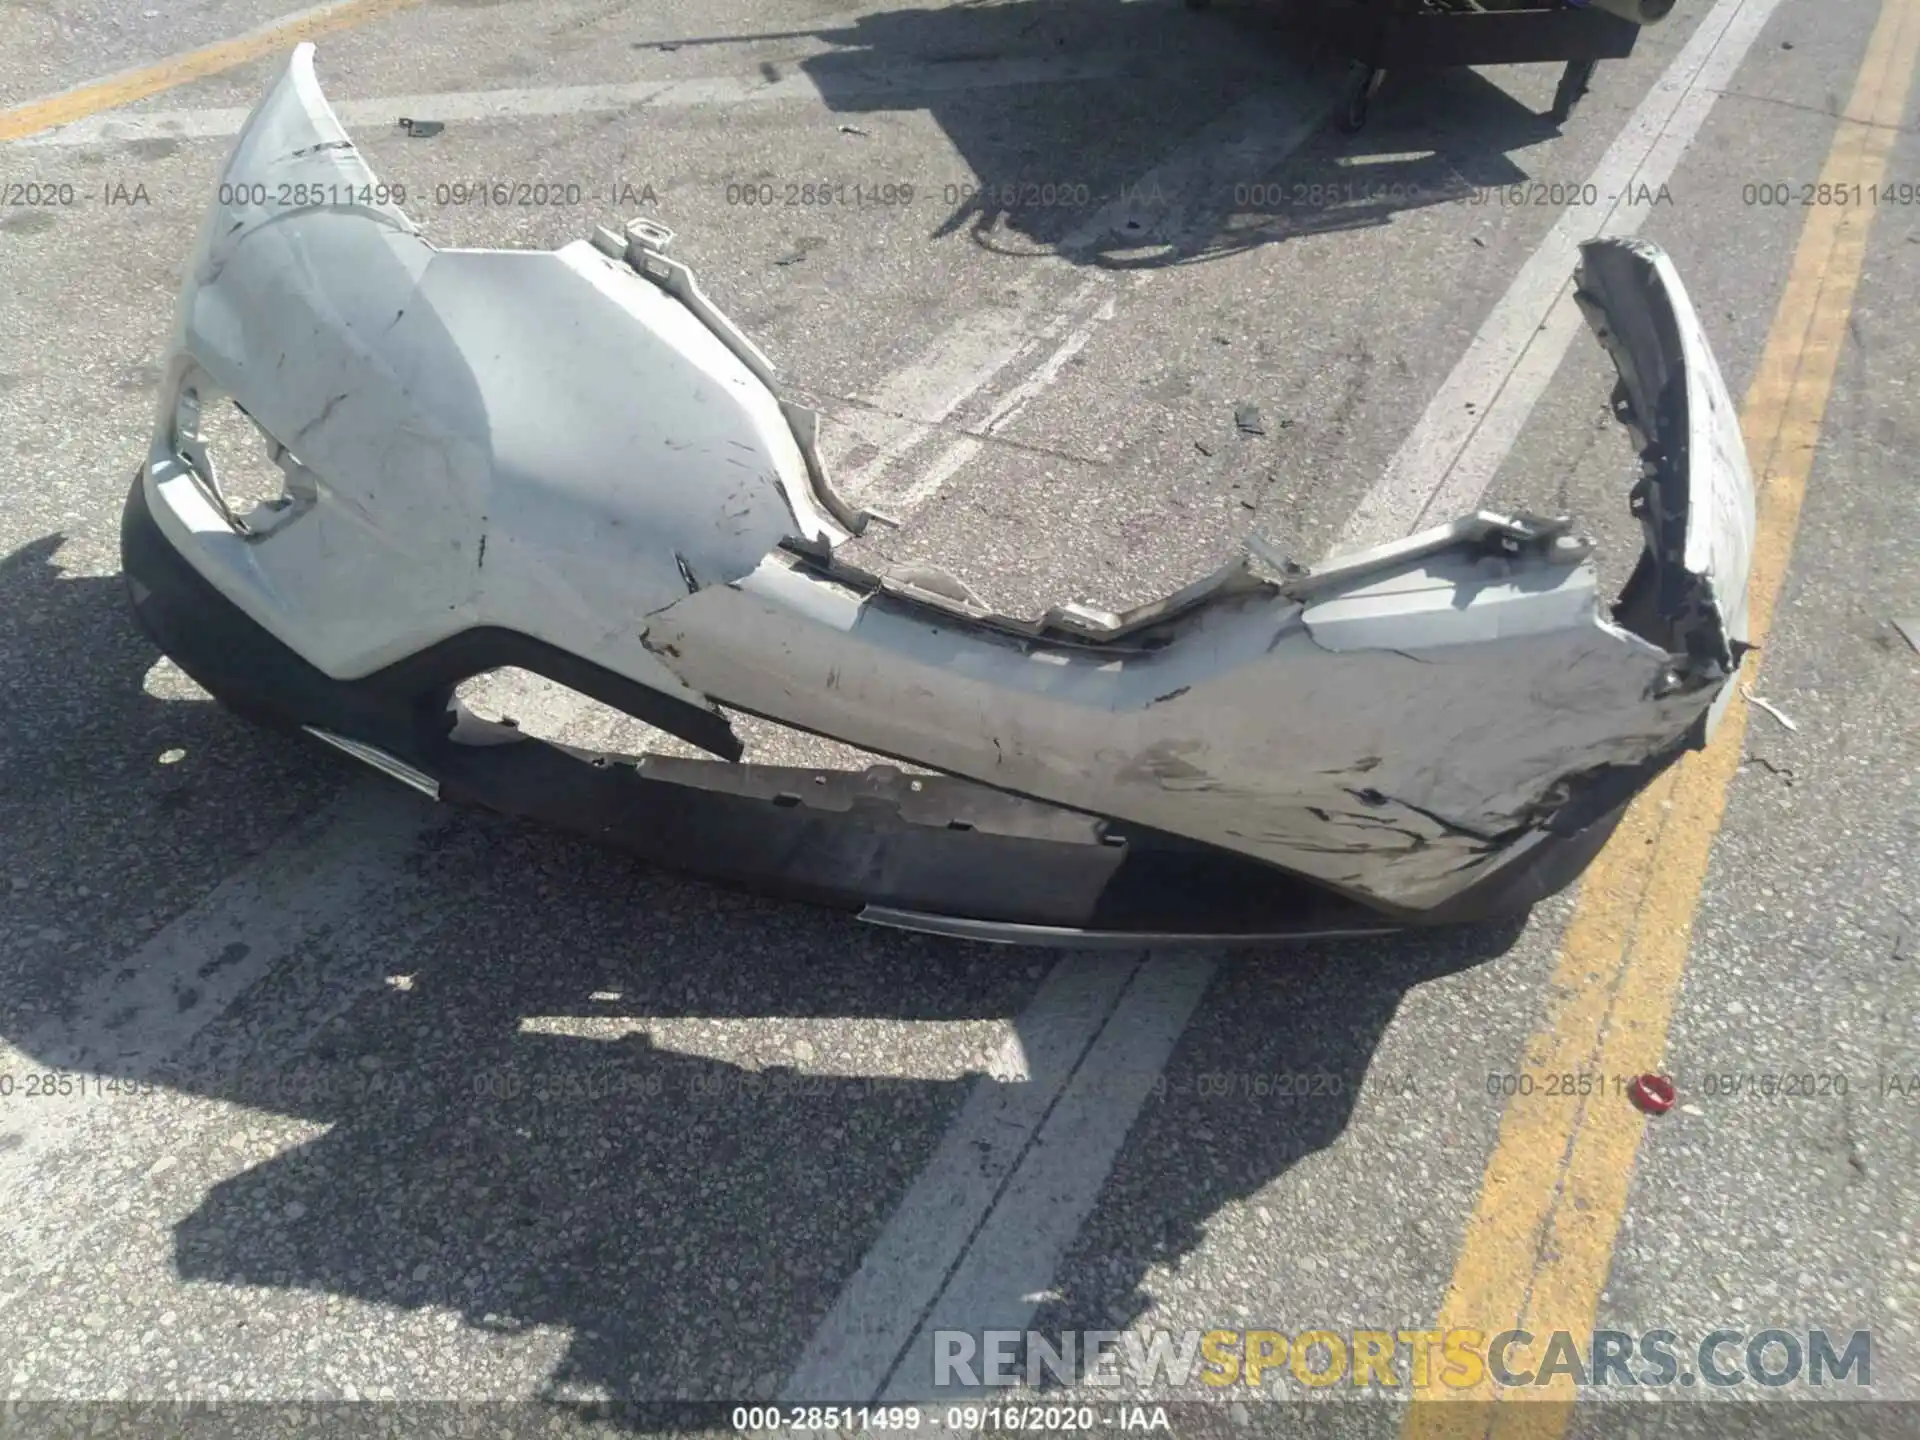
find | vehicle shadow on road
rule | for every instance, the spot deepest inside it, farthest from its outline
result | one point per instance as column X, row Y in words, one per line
column 555, row 1097
column 1074, row 167
column 116, row 806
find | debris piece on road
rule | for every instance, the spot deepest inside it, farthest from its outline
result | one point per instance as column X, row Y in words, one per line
column 421, row 129
column 1909, row 629
column 1653, row 1094
column 1201, row 447
column 1247, row 418
column 1767, row 705
column 1785, row 772
column 851, row 130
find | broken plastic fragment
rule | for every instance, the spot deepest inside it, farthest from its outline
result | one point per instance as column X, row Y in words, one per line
column 1772, row 709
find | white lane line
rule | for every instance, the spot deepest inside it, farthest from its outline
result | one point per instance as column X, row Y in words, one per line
column 1158, row 209
column 959, row 454
column 146, row 1011
column 148, row 1008
column 1009, row 1265
column 915, row 400
column 763, row 1046
column 830, row 84
column 1475, row 418
column 853, row 1350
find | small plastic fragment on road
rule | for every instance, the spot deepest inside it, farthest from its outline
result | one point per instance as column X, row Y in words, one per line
column 1767, row 705
column 851, row 130
column 1247, row 419
column 421, row 129
column 802, row 247
column 1785, row 772
column 1652, row 1094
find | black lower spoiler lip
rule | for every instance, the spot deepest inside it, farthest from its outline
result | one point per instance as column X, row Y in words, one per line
column 923, row 852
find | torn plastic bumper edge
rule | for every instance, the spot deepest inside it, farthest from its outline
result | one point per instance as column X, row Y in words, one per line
column 573, row 463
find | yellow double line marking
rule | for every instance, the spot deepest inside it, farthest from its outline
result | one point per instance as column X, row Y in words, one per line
column 131, row 85
column 1538, row 1250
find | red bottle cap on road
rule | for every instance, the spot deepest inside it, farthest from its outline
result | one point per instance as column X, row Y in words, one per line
column 1652, row 1093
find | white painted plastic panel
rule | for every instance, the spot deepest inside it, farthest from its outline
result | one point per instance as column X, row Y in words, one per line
column 1244, row 731
column 543, row 441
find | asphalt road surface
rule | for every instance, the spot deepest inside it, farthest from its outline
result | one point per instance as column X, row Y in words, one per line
column 310, row 1091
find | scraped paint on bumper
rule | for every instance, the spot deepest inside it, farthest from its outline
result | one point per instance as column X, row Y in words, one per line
column 572, row 462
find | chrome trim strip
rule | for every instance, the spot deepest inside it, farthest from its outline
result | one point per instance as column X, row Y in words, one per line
column 380, row 760
column 1007, row 932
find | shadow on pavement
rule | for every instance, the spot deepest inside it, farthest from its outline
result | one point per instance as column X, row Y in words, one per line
column 1066, row 164
column 503, row 1150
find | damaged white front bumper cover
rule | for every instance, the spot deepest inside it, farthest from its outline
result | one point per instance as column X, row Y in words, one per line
column 571, row 462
